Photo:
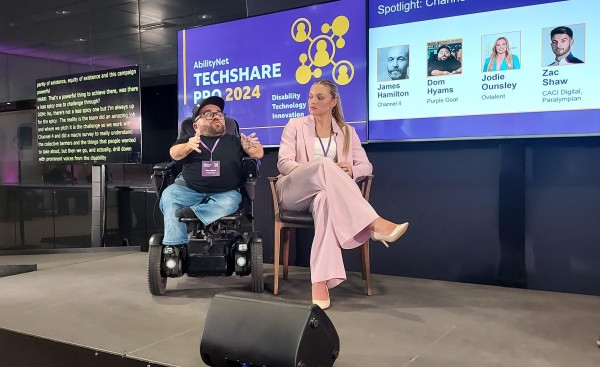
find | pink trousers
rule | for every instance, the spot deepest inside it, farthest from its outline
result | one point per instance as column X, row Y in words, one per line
column 340, row 213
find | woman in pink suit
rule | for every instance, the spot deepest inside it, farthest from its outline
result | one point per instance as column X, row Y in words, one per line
column 319, row 158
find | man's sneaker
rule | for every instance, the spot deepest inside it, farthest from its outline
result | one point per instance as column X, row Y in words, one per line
column 185, row 212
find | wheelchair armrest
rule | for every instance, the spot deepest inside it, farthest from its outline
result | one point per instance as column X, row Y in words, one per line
column 250, row 169
column 163, row 174
column 160, row 169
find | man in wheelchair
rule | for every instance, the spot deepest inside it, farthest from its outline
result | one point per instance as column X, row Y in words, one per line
column 207, row 195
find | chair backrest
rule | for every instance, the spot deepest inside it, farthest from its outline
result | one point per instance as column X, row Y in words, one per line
column 187, row 127
column 364, row 184
column 272, row 182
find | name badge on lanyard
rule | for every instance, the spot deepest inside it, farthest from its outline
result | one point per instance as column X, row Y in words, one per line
column 211, row 168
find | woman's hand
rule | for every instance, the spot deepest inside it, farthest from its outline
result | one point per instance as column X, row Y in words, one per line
column 346, row 167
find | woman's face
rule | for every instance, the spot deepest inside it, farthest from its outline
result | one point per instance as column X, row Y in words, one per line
column 320, row 101
column 500, row 46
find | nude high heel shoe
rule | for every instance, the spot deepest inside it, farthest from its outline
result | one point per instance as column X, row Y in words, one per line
column 324, row 304
column 392, row 237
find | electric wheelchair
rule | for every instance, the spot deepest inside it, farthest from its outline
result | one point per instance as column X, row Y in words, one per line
column 221, row 248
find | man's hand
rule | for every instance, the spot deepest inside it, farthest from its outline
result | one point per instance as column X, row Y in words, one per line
column 249, row 141
column 251, row 145
column 194, row 142
column 180, row 151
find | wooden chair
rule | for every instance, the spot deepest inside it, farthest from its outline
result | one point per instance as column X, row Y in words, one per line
column 286, row 222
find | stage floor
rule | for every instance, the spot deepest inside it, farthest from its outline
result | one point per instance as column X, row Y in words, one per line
column 100, row 300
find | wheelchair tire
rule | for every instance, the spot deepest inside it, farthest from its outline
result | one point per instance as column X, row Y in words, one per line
column 157, row 283
column 256, row 266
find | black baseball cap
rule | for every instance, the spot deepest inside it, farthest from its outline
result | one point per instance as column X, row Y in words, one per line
column 214, row 100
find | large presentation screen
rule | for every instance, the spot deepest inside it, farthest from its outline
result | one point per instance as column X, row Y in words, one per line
column 463, row 69
column 264, row 66
column 90, row 117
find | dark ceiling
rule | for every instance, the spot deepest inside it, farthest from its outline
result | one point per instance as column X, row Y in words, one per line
column 108, row 33
column 113, row 33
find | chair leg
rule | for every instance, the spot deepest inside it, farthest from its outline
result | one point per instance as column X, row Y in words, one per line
column 286, row 251
column 276, row 248
column 366, row 265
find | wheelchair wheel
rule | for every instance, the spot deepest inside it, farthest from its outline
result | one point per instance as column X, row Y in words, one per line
column 256, row 266
column 157, row 283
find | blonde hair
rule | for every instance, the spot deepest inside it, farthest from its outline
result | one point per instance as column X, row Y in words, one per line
column 494, row 55
column 337, row 112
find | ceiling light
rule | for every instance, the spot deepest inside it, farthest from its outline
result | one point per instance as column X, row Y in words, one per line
column 63, row 12
column 80, row 40
column 205, row 16
column 152, row 26
column 148, row 17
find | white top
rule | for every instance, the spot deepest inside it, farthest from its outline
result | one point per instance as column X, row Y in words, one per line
column 321, row 145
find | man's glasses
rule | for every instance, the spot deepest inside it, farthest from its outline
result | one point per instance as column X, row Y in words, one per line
column 209, row 114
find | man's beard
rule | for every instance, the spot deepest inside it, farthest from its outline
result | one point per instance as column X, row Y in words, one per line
column 395, row 74
column 214, row 130
column 561, row 52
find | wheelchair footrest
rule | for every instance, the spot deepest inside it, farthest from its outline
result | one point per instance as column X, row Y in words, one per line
column 189, row 220
column 209, row 257
column 231, row 218
column 208, row 265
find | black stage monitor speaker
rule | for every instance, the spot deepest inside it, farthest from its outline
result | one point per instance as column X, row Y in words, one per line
column 242, row 330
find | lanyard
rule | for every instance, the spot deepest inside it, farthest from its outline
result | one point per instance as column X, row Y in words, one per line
column 325, row 151
column 214, row 147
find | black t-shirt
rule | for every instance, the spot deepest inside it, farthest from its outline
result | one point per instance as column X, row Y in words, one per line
column 450, row 64
column 228, row 152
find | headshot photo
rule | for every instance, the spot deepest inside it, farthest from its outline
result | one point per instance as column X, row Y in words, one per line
column 392, row 63
column 501, row 51
column 563, row 45
column 444, row 57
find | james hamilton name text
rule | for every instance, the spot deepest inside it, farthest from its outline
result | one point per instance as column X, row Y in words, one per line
column 391, row 91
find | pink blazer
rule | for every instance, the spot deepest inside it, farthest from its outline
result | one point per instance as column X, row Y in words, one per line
column 298, row 145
